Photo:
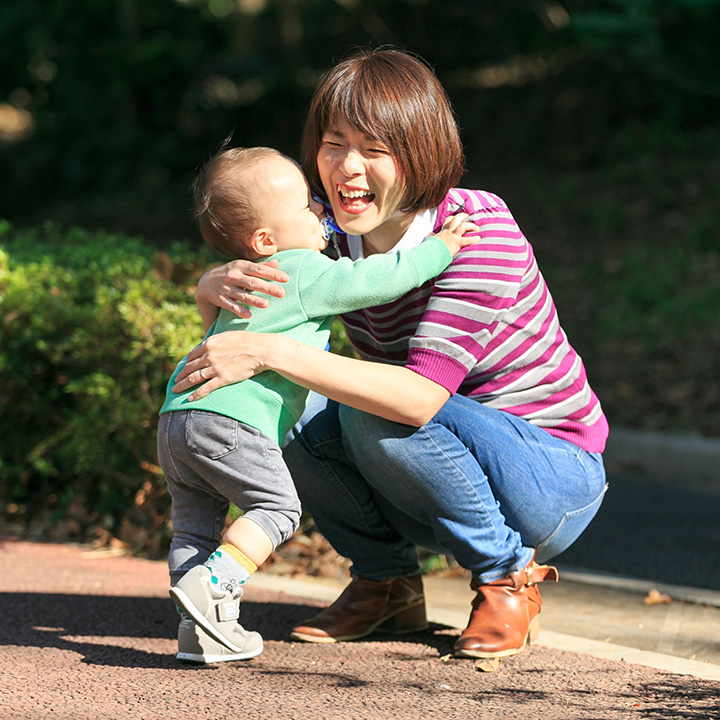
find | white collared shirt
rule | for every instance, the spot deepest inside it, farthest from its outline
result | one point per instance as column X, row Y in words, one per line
column 421, row 226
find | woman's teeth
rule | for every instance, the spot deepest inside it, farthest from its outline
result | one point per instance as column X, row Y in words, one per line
column 352, row 194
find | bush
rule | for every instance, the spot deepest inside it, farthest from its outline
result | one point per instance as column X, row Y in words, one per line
column 93, row 325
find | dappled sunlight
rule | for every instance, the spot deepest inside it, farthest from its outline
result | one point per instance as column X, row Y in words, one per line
column 15, row 123
column 224, row 8
column 553, row 15
column 220, row 90
column 520, row 70
column 251, row 7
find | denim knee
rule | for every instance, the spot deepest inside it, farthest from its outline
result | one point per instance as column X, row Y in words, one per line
column 313, row 443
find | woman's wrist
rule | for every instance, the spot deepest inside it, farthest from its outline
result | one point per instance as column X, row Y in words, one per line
column 201, row 291
column 207, row 309
column 202, row 299
column 275, row 350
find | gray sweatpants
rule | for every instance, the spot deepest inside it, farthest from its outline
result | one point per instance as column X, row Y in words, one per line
column 209, row 461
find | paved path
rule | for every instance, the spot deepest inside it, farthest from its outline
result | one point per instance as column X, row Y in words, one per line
column 84, row 635
column 656, row 529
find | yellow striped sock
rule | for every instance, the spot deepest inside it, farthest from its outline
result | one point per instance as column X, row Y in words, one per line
column 239, row 556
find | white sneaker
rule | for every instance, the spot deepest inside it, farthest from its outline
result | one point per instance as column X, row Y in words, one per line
column 216, row 610
column 196, row 646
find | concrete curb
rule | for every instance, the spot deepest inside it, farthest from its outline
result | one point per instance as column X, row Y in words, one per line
column 328, row 590
column 699, row 596
column 620, row 653
column 668, row 457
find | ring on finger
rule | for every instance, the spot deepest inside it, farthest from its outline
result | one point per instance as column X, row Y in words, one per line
column 202, row 373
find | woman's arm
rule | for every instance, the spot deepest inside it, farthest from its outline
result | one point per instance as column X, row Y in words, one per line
column 233, row 286
column 390, row 391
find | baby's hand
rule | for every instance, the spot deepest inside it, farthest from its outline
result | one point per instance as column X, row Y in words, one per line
column 454, row 230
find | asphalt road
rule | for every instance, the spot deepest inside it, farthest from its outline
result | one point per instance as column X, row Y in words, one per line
column 654, row 530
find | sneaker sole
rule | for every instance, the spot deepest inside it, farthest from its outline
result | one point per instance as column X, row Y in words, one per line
column 201, row 621
column 206, row 659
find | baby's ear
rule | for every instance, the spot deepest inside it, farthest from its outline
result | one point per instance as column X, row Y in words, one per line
column 262, row 242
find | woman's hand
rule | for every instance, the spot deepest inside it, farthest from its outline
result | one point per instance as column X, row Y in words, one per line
column 233, row 286
column 222, row 359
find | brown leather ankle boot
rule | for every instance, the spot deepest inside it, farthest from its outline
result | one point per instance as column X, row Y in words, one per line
column 396, row 605
column 505, row 613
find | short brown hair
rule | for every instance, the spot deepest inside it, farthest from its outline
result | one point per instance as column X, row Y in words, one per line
column 224, row 205
column 394, row 97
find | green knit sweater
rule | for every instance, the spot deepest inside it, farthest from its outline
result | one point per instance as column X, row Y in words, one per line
column 318, row 289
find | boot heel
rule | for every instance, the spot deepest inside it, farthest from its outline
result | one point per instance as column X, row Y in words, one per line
column 413, row 619
column 534, row 631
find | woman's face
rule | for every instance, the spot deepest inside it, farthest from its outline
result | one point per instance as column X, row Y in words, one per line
column 363, row 183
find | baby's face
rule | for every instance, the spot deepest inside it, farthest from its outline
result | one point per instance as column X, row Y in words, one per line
column 286, row 206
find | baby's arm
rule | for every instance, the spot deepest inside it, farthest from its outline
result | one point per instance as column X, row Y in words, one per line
column 329, row 287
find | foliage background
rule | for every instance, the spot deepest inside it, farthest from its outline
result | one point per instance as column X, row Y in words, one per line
column 596, row 120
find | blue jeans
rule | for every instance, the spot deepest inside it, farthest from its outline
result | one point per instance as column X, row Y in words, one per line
column 475, row 483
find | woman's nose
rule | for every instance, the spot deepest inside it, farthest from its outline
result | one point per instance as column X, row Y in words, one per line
column 351, row 163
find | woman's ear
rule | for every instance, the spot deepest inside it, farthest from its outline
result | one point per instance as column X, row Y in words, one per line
column 262, row 242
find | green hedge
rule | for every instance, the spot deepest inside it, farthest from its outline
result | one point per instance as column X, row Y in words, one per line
column 92, row 326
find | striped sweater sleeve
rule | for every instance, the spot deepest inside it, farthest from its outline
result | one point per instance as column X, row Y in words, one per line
column 474, row 296
column 490, row 331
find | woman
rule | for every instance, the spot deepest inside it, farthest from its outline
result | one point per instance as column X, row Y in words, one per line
column 468, row 427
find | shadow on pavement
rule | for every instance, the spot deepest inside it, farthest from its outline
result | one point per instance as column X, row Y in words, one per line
column 81, row 623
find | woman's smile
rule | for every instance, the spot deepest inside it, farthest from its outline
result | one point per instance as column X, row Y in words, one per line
column 354, row 201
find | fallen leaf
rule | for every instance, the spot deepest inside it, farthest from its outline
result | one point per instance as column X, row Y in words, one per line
column 655, row 597
column 489, row 666
column 102, row 553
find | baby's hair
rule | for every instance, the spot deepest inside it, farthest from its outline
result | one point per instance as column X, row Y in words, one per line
column 224, row 200
column 395, row 97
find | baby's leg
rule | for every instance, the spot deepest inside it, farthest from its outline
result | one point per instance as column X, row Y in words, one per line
column 240, row 464
column 248, row 537
column 255, row 478
column 198, row 512
column 198, row 522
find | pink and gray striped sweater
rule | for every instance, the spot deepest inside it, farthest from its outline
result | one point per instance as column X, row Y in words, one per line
column 487, row 328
